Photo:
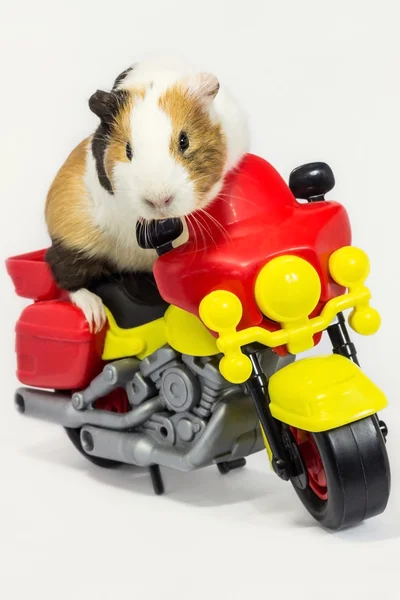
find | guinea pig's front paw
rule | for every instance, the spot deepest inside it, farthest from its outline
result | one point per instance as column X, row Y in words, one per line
column 92, row 307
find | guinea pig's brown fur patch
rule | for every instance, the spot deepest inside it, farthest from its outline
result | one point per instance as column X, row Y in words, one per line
column 69, row 217
column 67, row 205
column 206, row 155
column 120, row 132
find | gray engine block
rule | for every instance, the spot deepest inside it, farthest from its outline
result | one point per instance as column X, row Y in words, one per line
column 183, row 415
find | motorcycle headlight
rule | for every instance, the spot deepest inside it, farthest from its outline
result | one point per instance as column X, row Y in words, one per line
column 287, row 289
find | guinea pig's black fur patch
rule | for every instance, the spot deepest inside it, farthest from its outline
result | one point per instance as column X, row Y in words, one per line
column 107, row 105
column 99, row 146
column 74, row 269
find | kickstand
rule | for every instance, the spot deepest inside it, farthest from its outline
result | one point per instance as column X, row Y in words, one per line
column 157, row 480
column 227, row 466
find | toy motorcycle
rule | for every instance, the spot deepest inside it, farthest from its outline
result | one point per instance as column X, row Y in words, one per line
column 197, row 364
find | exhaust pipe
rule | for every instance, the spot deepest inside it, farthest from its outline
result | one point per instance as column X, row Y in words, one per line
column 56, row 407
column 232, row 432
column 133, row 449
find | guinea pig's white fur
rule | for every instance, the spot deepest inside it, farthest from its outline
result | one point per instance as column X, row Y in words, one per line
column 166, row 71
column 154, row 173
column 107, row 213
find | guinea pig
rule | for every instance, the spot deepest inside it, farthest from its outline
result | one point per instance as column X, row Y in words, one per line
column 167, row 137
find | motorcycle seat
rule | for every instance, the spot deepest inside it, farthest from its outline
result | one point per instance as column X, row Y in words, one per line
column 132, row 298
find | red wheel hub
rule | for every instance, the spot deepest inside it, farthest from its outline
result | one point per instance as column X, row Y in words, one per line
column 312, row 461
column 116, row 401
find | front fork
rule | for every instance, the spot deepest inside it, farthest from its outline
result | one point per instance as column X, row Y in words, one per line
column 286, row 460
column 340, row 340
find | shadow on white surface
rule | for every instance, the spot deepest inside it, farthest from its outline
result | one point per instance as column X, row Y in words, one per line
column 268, row 499
column 204, row 487
column 377, row 529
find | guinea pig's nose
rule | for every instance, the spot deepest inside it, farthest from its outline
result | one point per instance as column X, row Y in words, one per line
column 159, row 203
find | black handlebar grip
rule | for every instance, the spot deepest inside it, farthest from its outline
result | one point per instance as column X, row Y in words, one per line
column 158, row 234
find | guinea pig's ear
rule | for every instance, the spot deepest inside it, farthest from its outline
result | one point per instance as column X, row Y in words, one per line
column 102, row 104
column 204, row 86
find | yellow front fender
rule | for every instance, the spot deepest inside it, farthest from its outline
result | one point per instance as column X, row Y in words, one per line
column 321, row 393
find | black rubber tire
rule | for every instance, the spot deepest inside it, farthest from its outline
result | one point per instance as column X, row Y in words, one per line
column 75, row 437
column 357, row 472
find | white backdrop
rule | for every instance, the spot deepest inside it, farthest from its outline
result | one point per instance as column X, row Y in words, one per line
column 320, row 81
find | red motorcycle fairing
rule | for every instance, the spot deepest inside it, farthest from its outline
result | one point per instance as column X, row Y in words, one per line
column 254, row 219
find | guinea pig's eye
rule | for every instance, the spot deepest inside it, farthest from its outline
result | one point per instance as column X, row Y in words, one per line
column 183, row 141
column 129, row 153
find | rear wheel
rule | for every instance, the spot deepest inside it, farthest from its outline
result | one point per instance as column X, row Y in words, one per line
column 348, row 473
column 75, row 437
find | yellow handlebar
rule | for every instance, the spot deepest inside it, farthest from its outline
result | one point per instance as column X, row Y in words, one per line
column 287, row 290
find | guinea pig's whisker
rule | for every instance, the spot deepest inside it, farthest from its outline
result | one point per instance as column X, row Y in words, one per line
column 226, row 198
column 201, row 214
column 146, row 233
column 200, row 229
column 204, row 216
column 191, row 225
column 217, row 224
column 196, row 227
column 205, row 226
column 201, row 178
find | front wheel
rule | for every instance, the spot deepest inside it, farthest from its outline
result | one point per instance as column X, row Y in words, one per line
column 348, row 473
